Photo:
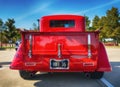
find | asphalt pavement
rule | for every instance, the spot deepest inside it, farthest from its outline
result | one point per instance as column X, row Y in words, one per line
column 11, row 78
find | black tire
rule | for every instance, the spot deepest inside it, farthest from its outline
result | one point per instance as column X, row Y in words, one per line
column 26, row 74
column 16, row 49
column 96, row 75
column 50, row 73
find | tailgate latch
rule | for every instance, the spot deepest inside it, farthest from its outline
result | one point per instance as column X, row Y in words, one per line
column 59, row 51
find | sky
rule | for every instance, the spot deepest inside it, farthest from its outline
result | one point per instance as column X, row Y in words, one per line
column 26, row 12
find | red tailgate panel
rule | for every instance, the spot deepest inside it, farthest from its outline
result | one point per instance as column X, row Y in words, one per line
column 69, row 44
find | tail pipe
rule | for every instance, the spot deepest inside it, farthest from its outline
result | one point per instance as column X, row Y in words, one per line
column 87, row 75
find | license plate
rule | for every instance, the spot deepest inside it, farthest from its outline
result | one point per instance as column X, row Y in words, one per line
column 59, row 64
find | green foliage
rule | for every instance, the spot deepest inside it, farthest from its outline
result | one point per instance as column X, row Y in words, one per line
column 1, row 22
column 95, row 22
column 116, row 34
column 110, row 24
column 113, row 17
column 87, row 21
column 11, row 33
column 1, row 31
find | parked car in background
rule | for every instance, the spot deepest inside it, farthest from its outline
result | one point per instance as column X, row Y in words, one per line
column 17, row 44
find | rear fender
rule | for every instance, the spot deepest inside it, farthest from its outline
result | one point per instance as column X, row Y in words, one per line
column 103, row 62
column 18, row 61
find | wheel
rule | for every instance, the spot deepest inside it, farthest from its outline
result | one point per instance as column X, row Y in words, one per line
column 26, row 74
column 96, row 75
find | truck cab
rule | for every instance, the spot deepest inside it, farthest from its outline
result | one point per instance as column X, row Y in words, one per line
column 61, row 45
column 62, row 23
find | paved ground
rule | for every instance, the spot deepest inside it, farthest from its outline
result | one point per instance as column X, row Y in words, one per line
column 11, row 78
column 114, row 57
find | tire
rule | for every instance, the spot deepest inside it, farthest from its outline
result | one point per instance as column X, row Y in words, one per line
column 50, row 73
column 15, row 49
column 26, row 74
column 96, row 75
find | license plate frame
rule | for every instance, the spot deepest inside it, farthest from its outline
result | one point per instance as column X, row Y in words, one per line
column 59, row 64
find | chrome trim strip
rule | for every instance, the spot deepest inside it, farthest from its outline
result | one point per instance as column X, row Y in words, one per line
column 30, row 50
column 89, row 46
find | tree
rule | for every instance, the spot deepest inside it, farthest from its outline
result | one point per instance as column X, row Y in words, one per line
column 102, row 23
column 1, row 24
column 113, row 17
column 11, row 33
column 110, row 24
column 113, row 23
column 95, row 22
column 87, row 21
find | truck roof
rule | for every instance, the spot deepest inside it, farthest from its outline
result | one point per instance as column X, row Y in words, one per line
column 67, row 16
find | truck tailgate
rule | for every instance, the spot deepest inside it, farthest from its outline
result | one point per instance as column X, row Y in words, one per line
column 47, row 43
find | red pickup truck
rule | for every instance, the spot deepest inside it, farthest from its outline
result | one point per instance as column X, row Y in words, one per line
column 61, row 45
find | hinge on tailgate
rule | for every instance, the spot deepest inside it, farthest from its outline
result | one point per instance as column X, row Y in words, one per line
column 89, row 46
column 30, row 49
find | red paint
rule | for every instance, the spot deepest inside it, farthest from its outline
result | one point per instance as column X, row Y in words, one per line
column 70, row 43
column 79, row 23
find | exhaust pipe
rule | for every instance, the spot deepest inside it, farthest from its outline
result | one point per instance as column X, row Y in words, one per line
column 87, row 75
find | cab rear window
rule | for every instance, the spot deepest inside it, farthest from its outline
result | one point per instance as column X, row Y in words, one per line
column 62, row 23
